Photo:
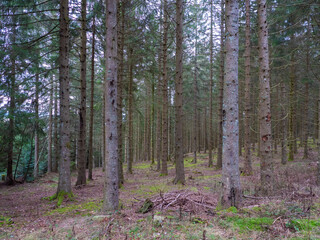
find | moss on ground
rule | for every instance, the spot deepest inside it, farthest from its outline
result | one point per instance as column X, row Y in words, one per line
column 5, row 221
column 60, row 196
column 84, row 209
column 245, row 224
column 303, row 224
column 143, row 165
column 209, row 176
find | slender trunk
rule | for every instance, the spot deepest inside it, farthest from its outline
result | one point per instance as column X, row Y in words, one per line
column 36, row 126
column 266, row 166
column 111, row 186
column 204, row 132
column 104, row 126
column 306, row 125
column 90, row 157
column 210, row 142
column 152, row 123
column 247, row 120
column 81, row 180
column 64, row 185
column 50, row 131
column 284, row 126
column 180, row 176
column 120, row 85
column 221, row 84
column 306, row 108
column 318, row 163
column 130, row 113
column 146, row 145
column 274, row 101
column 159, row 99
column 195, row 96
column 12, row 106
column 292, row 111
column 230, row 167
column 55, row 131
column 164, row 158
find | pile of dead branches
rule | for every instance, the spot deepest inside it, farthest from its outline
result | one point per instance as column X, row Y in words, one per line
column 184, row 200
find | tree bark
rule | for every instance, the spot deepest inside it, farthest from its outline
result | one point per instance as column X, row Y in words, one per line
column 266, row 166
column 180, row 176
column 306, row 95
column 55, row 131
column 210, row 142
column 247, row 121
column 292, row 111
column 195, row 96
column 50, row 130
column 130, row 113
column 221, row 84
column 90, row 157
column 36, row 128
column 230, row 167
column 318, row 163
column 164, row 157
column 12, row 108
column 284, row 126
column 111, row 186
column 82, row 159
column 120, row 16
column 64, row 185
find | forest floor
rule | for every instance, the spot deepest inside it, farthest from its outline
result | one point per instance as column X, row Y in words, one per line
column 180, row 212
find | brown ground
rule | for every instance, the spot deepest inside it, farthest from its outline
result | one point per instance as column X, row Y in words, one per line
column 182, row 212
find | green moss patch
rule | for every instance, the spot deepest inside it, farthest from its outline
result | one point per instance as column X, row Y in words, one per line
column 250, row 224
column 303, row 224
column 142, row 166
column 84, row 209
column 5, row 221
column 210, row 176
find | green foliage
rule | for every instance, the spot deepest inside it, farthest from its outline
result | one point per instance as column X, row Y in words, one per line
column 86, row 208
column 60, row 197
column 5, row 221
column 250, row 224
column 146, row 206
column 303, row 224
column 144, row 165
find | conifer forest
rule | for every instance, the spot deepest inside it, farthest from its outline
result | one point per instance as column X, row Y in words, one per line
column 159, row 119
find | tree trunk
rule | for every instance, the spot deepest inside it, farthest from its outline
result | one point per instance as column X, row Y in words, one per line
column 247, row 121
column 90, row 157
column 210, row 142
column 55, row 131
column 204, row 131
column 146, row 145
column 292, row 111
column 164, row 157
column 306, row 108
column 50, row 130
column 36, row 128
column 195, row 96
column 266, row 166
column 82, row 160
column 111, row 186
column 230, row 167
column 284, row 126
column 221, row 84
column 64, row 185
column 120, row 16
column 318, row 163
column 180, row 177
column 152, row 122
column 12, row 108
column 130, row 113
